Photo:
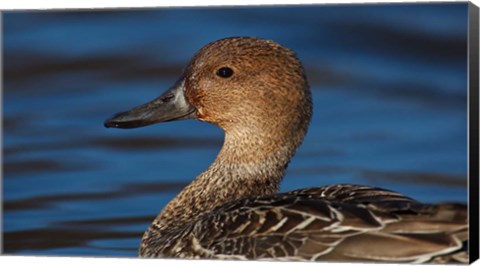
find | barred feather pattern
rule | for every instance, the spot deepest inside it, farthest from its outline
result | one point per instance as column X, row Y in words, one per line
column 323, row 223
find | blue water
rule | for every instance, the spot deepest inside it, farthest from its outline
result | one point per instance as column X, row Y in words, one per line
column 389, row 85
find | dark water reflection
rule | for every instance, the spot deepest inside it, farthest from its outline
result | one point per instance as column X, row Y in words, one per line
column 389, row 87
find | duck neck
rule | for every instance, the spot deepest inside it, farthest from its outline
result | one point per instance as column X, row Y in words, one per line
column 245, row 167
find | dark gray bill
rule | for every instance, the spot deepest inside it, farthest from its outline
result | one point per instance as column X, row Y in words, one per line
column 170, row 106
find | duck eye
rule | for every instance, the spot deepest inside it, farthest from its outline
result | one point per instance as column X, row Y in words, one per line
column 225, row 72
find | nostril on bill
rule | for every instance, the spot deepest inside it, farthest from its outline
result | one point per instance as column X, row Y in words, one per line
column 167, row 98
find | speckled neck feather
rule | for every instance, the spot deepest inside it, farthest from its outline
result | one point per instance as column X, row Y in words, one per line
column 235, row 174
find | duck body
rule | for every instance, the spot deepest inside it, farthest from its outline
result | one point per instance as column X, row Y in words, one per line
column 330, row 223
column 257, row 92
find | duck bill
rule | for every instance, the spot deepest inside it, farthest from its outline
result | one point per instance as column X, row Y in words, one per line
column 170, row 106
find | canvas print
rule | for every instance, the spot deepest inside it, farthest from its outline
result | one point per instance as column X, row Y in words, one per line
column 298, row 133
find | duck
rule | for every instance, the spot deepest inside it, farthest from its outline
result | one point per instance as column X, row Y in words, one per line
column 257, row 92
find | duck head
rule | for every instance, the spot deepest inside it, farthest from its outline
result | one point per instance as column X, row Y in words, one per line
column 242, row 84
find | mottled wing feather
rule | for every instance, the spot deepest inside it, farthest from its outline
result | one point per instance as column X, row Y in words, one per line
column 375, row 198
column 285, row 226
column 341, row 222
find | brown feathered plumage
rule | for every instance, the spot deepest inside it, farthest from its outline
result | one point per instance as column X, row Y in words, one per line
column 257, row 92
